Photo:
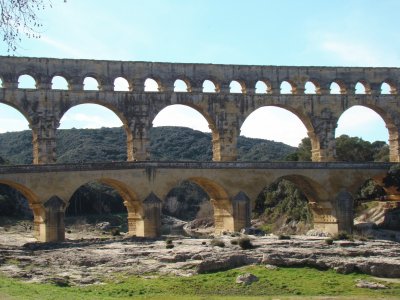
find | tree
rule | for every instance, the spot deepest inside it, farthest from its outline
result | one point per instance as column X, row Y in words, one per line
column 18, row 18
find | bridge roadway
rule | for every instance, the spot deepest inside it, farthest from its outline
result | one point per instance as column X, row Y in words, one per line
column 231, row 186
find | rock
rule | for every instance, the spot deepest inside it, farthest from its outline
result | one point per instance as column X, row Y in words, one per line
column 58, row 281
column 369, row 285
column 225, row 263
column 103, row 226
column 271, row 267
column 252, row 231
column 318, row 233
column 247, row 278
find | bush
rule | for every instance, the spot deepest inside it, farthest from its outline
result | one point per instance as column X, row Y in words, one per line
column 168, row 241
column 217, row 243
column 245, row 243
column 169, row 246
column 284, row 237
column 234, row 242
column 329, row 241
column 115, row 232
column 343, row 236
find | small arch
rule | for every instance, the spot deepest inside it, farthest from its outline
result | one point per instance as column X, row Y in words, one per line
column 209, row 86
column 335, row 88
column 262, row 87
column 121, row 84
column 286, row 87
column 1, row 82
column 235, row 87
column 360, row 88
column 151, row 85
column 59, row 83
column 388, row 87
column 90, row 84
column 310, row 88
column 26, row 82
column 180, row 86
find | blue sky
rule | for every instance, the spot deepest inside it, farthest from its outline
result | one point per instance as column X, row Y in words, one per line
column 261, row 32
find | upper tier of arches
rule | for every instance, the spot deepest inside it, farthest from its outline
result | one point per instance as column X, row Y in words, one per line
column 181, row 77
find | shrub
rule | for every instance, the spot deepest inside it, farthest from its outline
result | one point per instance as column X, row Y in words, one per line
column 203, row 243
column 284, row 237
column 169, row 246
column 329, row 241
column 115, row 232
column 217, row 243
column 343, row 236
column 245, row 243
column 234, row 242
column 168, row 241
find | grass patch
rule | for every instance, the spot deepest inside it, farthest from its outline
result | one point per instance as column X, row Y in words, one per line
column 286, row 282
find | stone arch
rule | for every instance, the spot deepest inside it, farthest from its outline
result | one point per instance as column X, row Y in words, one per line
column 89, row 82
column 222, row 204
column 287, row 84
column 312, row 86
column 362, row 87
column 34, row 203
column 207, row 85
column 120, row 83
column 263, row 86
column 392, row 86
column 28, row 116
column 186, row 81
column 152, row 84
column 303, row 117
column 216, row 143
column 181, row 86
column 391, row 125
column 237, row 87
column 120, row 114
column 29, row 80
column 342, row 86
column 130, row 200
column 323, row 210
column 60, row 82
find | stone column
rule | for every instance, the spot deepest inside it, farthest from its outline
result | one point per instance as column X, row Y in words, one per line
column 138, row 142
column 394, row 143
column 241, row 211
column 44, row 138
column 52, row 228
column 323, row 137
column 224, row 136
column 152, row 216
column 324, row 219
column 223, row 215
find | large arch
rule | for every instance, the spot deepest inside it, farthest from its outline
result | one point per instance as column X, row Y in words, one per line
column 371, row 123
column 136, row 215
column 288, row 125
column 184, row 115
column 98, row 115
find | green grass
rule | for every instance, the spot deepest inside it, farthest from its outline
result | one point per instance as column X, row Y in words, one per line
column 284, row 282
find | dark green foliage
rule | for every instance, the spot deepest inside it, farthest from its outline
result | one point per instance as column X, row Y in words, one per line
column 282, row 198
column 342, row 235
column 245, row 243
column 169, row 246
column 13, row 203
column 217, row 243
column 393, row 177
column 109, row 144
column 329, row 241
column 303, row 152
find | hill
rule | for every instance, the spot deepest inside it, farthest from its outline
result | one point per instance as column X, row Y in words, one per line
column 109, row 144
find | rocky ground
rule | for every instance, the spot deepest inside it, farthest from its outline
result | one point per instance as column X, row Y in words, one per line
column 91, row 256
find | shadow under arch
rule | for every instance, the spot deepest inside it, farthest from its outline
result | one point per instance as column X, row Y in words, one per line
column 134, row 207
column 34, row 203
column 130, row 134
column 216, row 141
column 223, row 209
column 323, row 210
column 391, row 125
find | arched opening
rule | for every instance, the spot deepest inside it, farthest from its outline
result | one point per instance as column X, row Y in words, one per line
column 1, row 83
column 386, row 89
column 360, row 88
column 270, row 134
column 361, row 135
column 209, row 87
column 336, row 89
column 96, row 209
column 262, row 87
column 150, row 85
column 376, row 215
column 90, row 133
column 203, row 189
column 187, row 210
column 15, row 137
column 90, row 84
column 18, row 220
column 180, row 86
column 286, row 88
column 310, row 88
column 59, row 83
column 235, row 87
column 26, row 82
column 121, row 85
column 170, row 140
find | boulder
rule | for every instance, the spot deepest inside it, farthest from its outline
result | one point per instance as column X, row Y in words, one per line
column 247, row 278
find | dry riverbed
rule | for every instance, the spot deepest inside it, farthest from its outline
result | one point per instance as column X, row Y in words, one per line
column 91, row 257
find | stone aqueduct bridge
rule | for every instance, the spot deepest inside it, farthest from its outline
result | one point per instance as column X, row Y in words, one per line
column 329, row 186
column 231, row 186
column 225, row 112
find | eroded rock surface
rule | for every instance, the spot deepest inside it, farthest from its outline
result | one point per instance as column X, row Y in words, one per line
column 90, row 261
